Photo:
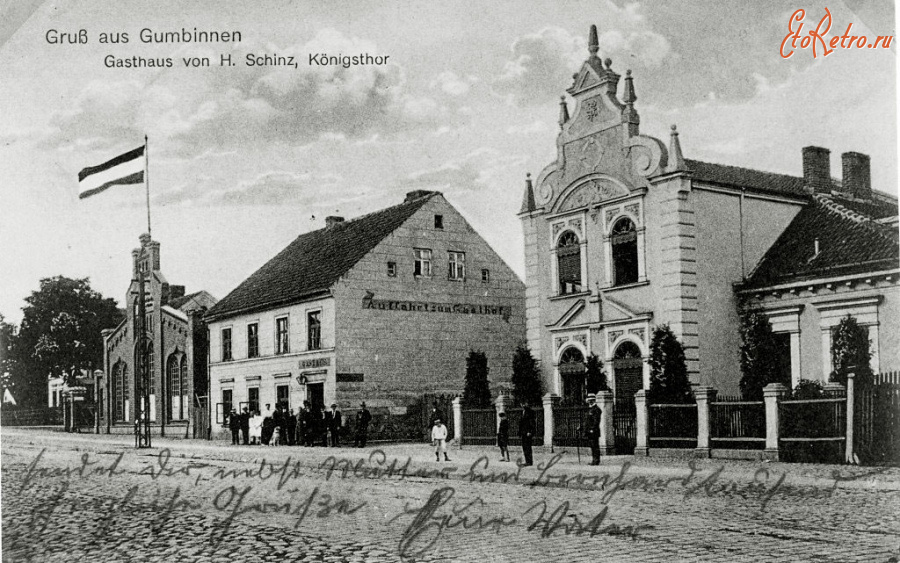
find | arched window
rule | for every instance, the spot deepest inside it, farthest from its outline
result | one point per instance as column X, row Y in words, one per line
column 184, row 383
column 568, row 255
column 572, row 373
column 174, row 378
column 150, row 368
column 119, row 391
column 624, row 252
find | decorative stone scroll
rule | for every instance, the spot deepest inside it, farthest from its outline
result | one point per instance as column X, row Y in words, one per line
column 590, row 193
column 560, row 340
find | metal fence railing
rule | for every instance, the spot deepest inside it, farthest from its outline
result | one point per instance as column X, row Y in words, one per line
column 737, row 424
column 479, row 426
column 673, row 425
column 568, row 423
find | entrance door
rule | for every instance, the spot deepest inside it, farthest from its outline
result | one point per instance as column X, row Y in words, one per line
column 628, row 371
column 315, row 394
column 572, row 371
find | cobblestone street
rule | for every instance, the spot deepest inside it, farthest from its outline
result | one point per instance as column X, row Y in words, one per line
column 96, row 498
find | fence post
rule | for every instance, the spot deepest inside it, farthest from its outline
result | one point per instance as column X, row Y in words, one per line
column 851, row 389
column 642, row 425
column 607, row 432
column 501, row 403
column 550, row 401
column 458, row 421
column 772, row 394
column 704, row 396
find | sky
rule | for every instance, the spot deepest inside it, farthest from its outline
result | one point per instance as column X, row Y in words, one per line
column 243, row 159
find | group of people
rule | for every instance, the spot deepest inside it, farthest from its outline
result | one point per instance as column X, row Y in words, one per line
column 527, row 429
column 311, row 426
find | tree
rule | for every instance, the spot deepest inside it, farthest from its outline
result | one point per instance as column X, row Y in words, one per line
column 477, row 393
column 59, row 335
column 668, row 368
column 759, row 356
column 595, row 378
column 7, row 336
column 850, row 351
column 526, row 378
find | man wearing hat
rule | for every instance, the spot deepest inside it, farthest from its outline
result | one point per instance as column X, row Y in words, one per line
column 592, row 428
column 363, row 418
column 333, row 424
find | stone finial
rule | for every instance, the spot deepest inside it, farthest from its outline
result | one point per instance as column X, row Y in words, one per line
column 676, row 159
column 593, row 42
column 630, row 97
column 528, row 203
column 608, row 62
column 563, row 111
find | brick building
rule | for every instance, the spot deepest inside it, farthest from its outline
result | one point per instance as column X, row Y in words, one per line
column 175, row 350
column 382, row 308
column 622, row 233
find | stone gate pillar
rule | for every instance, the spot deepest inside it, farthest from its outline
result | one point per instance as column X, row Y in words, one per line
column 704, row 396
column 607, row 430
column 642, row 423
column 457, row 421
column 772, row 395
column 550, row 402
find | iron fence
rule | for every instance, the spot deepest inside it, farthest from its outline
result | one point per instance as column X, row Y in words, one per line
column 737, row 424
column 479, row 426
column 673, row 425
column 568, row 424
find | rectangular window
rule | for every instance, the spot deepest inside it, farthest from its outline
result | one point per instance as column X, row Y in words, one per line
column 485, row 275
column 457, row 265
column 313, row 331
column 226, row 403
column 281, row 396
column 392, row 269
column 226, row 344
column 281, row 336
column 438, row 221
column 423, row 262
column 253, row 340
column 253, row 399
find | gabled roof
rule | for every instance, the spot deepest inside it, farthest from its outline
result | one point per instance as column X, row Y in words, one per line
column 736, row 176
column 315, row 261
column 192, row 301
column 848, row 242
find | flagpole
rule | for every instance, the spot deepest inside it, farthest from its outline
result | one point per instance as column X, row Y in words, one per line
column 147, row 180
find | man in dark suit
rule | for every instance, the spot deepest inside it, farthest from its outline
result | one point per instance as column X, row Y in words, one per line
column 592, row 429
column 234, row 424
column 245, row 426
column 526, row 433
column 291, row 424
column 363, row 418
column 333, row 424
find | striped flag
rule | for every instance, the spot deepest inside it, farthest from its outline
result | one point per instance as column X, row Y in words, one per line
column 126, row 168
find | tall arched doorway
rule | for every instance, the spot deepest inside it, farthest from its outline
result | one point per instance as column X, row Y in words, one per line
column 628, row 373
column 628, row 369
column 571, row 374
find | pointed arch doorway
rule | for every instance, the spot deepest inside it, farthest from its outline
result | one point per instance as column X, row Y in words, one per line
column 628, row 374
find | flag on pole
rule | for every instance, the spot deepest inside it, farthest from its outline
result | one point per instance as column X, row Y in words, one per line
column 124, row 169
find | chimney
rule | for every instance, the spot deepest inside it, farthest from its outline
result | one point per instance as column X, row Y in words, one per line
column 817, row 169
column 332, row 220
column 856, row 178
